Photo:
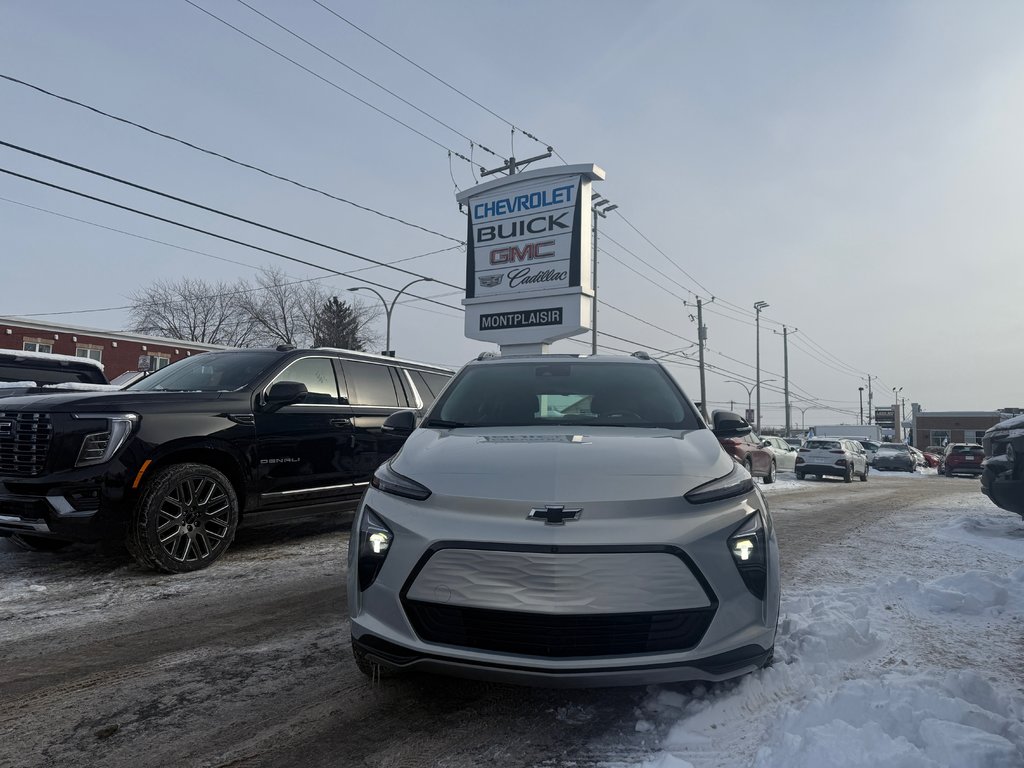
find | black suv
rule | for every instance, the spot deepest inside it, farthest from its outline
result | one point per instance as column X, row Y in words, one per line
column 1002, row 478
column 175, row 462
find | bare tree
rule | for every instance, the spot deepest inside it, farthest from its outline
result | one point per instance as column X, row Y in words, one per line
column 192, row 309
column 272, row 309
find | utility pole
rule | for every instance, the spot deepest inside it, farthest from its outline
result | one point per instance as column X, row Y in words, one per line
column 870, row 410
column 512, row 164
column 758, row 306
column 702, row 335
column 861, row 391
column 785, row 372
column 599, row 207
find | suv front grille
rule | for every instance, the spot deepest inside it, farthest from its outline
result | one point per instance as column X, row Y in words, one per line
column 24, row 443
column 559, row 636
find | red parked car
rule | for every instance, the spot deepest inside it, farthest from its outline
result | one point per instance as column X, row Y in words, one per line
column 962, row 459
column 738, row 438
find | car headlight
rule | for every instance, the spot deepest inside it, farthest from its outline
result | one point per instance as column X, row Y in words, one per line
column 736, row 483
column 375, row 539
column 749, row 548
column 98, row 447
column 387, row 480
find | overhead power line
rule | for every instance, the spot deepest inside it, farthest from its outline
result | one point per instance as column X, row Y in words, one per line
column 221, row 156
column 442, row 81
column 329, row 82
column 368, row 79
column 209, row 209
column 207, row 232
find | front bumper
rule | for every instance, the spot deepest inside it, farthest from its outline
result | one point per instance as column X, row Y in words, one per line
column 82, row 505
column 506, row 599
column 1001, row 481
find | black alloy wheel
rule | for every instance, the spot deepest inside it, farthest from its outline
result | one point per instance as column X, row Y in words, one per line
column 185, row 520
column 32, row 543
column 799, row 475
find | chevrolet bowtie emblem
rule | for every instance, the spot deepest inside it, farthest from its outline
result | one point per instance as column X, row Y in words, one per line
column 554, row 515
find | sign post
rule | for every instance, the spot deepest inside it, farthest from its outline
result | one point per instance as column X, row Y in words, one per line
column 528, row 257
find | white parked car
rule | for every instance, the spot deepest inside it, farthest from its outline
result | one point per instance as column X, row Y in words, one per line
column 785, row 453
column 563, row 521
column 839, row 457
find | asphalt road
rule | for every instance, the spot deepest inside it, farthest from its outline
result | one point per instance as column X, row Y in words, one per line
column 248, row 664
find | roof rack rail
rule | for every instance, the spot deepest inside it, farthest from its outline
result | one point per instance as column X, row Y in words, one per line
column 641, row 355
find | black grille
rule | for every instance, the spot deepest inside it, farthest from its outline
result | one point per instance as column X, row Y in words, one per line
column 576, row 635
column 24, row 443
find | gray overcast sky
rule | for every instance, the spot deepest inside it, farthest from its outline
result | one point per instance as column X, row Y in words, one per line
column 856, row 165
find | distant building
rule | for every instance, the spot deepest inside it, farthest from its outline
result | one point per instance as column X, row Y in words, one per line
column 941, row 427
column 118, row 351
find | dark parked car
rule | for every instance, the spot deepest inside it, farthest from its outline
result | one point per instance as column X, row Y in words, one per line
column 40, row 372
column 895, row 456
column 962, row 459
column 174, row 463
column 1003, row 477
column 740, row 442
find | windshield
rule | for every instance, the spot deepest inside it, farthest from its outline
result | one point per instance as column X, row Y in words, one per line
column 823, row 445
column 563, row 393
column 210, row 372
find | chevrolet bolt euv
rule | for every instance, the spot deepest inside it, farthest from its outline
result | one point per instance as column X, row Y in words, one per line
column 563, row 521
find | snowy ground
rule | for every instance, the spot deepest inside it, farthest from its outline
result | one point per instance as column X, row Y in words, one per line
column 911, row 657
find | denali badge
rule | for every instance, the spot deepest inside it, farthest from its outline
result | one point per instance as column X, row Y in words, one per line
column 554, row 515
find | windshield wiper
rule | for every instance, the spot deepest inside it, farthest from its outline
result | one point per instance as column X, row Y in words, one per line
column 444, row 424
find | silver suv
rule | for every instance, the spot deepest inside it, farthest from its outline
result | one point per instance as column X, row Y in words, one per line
column 563, row 521
column 834, row 456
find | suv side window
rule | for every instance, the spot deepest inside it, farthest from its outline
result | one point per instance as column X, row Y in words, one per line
column 317, row 373
column 370, row 384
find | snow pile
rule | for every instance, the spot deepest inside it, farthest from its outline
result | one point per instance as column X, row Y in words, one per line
column 888, row 669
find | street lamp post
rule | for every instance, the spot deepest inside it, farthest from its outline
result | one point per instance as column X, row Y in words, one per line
column 861, row 390
column 758, row 306
column 389, row 308
column 750, row 389
column 802, row 412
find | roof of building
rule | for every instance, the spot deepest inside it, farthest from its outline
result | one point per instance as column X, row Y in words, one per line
column 119, row 335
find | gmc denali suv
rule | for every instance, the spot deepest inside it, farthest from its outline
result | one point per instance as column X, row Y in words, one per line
column 173, row 464
column 1002, row 477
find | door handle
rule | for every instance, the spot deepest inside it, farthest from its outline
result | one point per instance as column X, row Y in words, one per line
column 341, row 422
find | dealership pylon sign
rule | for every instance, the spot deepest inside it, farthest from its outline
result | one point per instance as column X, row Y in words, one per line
column 528, row 259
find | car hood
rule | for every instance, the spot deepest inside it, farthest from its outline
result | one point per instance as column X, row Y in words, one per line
column 607, row 463
column 59, row 401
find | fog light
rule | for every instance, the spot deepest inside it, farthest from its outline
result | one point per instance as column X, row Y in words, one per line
column 749, row 548
column 743, row 548
column 374, row 543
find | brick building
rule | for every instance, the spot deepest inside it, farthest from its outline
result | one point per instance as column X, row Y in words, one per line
column 118, row 351
column 941, row 427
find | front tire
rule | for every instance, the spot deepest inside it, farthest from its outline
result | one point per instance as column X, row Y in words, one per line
column 770, row 477
column 185, row 520
column 864, row 474
column 32, row 543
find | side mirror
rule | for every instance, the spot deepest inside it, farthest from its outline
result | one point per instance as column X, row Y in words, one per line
column 728, row 424
column 284, row 393
column 400, row 423
column 766, row 443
